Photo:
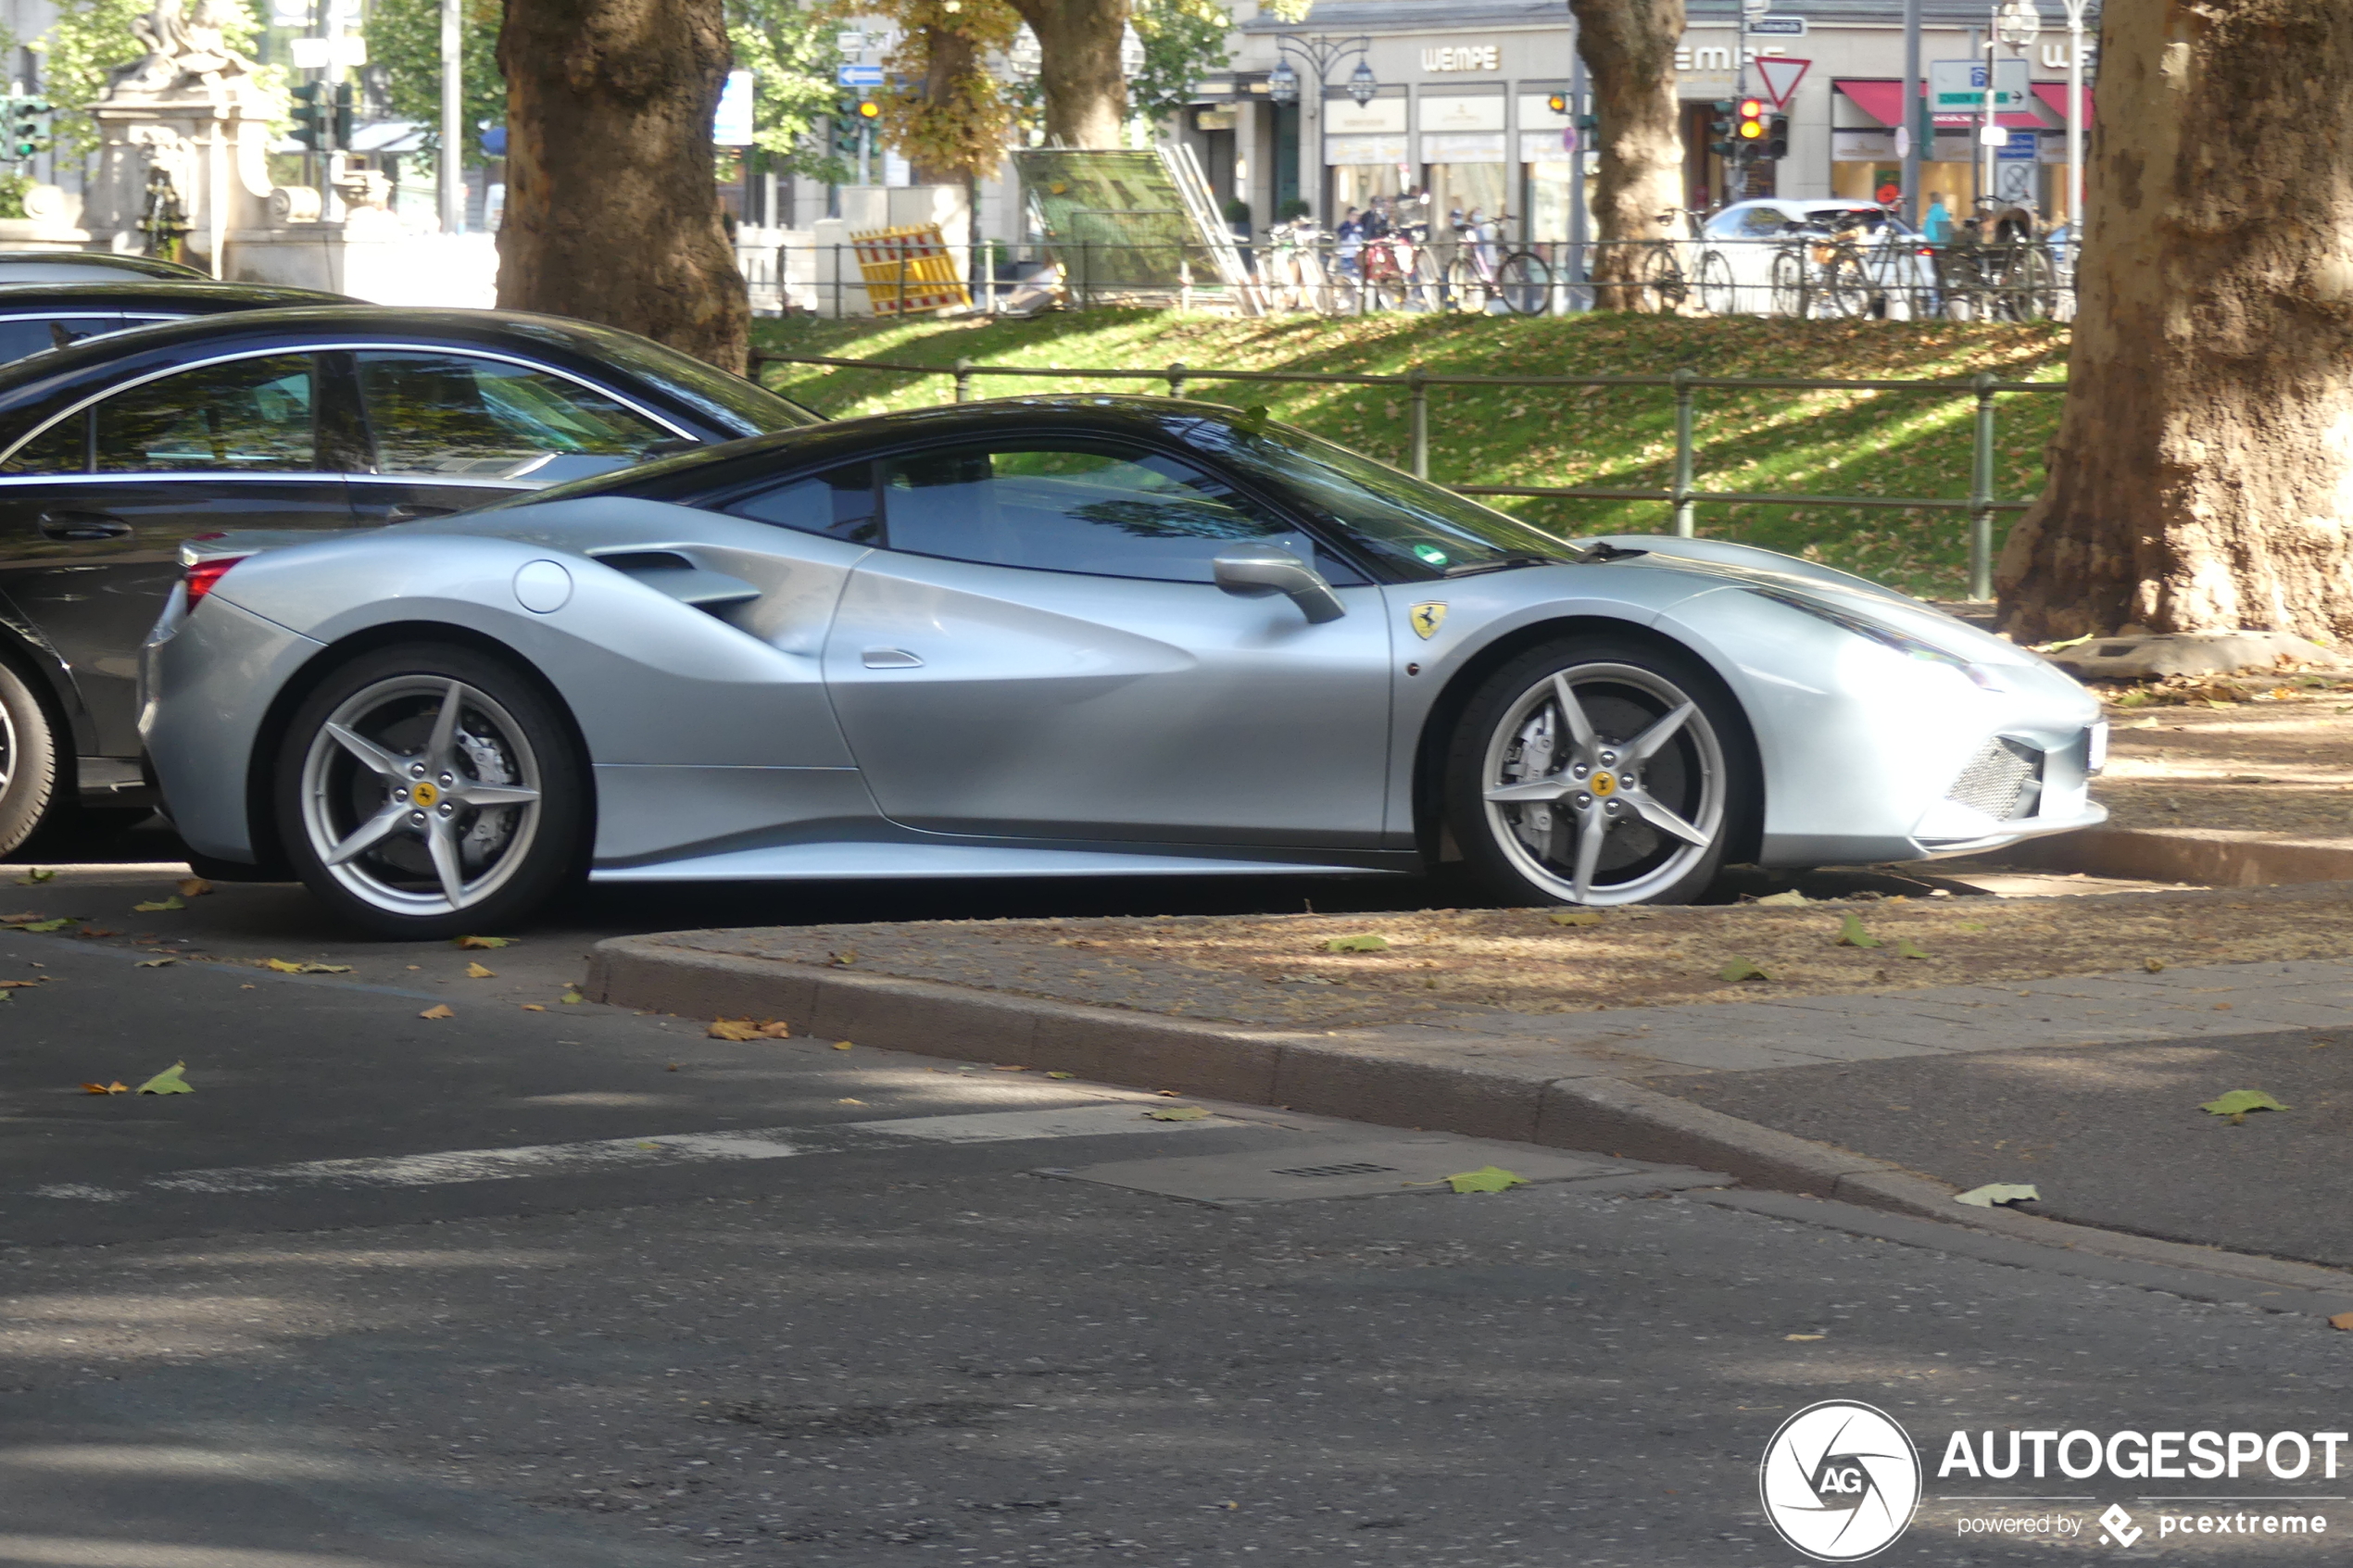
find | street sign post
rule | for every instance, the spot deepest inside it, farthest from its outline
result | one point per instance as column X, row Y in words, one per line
column 1780, row 75
column 1776, row 27
column 859, row 76
column 1961, row 86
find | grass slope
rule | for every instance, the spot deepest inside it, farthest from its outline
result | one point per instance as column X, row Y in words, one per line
column 1823, row 442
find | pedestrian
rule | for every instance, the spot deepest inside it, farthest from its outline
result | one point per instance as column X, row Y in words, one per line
column 1936, row 225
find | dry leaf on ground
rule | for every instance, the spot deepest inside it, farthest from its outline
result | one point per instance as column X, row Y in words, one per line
column 116, row 1087
column 1357, row 944
column 1993, row 1193
column 484, row 943
column 154, row 963
column 439, row 1009
column 167, row 1082
column 1177, row 1113
column 34, row 879
column 159, row 906
column 1487, row 1178
column 476, row 971
column 571, row 996
column 193, row 887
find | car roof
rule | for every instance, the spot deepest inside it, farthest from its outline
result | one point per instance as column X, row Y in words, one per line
column 63, row 264
column 134, row 289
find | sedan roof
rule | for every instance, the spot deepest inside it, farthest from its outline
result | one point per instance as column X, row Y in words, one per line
column 69, row 266
column 134, row 289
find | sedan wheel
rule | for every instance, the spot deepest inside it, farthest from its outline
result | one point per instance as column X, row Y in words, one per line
column 429, row 791
column 28, row 761
column 1590, row 772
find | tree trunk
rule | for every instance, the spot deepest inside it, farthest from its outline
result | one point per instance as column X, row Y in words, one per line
column 1629, row 48
column 1086, row 96
column 949, row 60
column 612, row 200
column 2202, row 477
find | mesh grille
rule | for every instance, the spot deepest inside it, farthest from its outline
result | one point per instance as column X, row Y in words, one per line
column 1359, row 1169
column 2001, row 780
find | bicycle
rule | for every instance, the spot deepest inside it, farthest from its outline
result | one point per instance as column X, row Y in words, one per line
column 1477, row 278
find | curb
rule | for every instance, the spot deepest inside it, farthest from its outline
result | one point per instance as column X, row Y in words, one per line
column 2212, row 856
column 1357, row 1077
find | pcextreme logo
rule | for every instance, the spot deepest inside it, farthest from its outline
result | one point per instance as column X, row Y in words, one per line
column 1840, row 1481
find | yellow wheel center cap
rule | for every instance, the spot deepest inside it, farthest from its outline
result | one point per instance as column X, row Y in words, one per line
column 425, row 794
column 1604, row 783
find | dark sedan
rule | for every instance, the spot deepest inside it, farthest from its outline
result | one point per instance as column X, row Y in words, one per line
column 38, row 317
column 115, row 450
column 89, row 266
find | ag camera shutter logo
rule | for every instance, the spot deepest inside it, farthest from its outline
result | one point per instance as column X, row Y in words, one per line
column 1840, row 1481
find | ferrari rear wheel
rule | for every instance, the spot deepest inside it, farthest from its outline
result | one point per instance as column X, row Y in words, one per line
column 29, row 765
column 430, row 791
column 1593, row 772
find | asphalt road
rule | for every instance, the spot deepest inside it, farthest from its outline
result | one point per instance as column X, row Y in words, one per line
column 574, row 1287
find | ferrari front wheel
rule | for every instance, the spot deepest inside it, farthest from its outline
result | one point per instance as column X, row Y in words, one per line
column 429, row 791
column 1590, row 771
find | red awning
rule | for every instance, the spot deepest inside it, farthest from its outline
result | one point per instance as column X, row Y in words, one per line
column 2054, row 96
column 1884, row 101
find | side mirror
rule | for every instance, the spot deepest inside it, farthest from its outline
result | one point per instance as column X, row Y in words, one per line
column 1254, row 571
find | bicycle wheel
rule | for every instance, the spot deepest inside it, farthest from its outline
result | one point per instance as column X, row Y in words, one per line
column 1718, row 296
column 1468, row 289
column 2030, row 282
column 1426, row 290
column 1663, row 275
column 1845, row 292
column 1526, row 283
column 1790, row 294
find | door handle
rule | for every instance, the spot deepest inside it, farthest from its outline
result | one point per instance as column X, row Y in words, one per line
column 82, row 526
column 890, row 659
column 407, row 513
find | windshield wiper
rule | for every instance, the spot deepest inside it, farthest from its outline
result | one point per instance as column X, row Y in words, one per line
column 1505, row 563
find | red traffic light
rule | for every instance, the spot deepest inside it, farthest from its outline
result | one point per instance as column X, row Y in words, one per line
column 1752, row 108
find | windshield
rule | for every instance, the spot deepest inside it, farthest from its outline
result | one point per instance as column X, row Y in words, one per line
column 725, row 399
column 1414, row 528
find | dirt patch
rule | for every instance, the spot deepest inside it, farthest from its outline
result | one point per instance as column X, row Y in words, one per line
column 2279, row 761
column 1281, row 971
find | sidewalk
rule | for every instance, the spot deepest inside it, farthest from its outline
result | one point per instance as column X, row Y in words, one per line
column 2087, row 1086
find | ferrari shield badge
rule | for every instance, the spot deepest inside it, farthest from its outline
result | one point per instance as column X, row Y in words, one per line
column 1426, row 620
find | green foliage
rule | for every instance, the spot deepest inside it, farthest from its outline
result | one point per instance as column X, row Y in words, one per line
column 790, row 52
column 1184, row 41
column 13, row 190
column 404, row 36
column 90, row 38
column 1836, row 443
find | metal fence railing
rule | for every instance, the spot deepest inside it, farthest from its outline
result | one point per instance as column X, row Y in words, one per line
column 1681, row 496
column 1889, row 276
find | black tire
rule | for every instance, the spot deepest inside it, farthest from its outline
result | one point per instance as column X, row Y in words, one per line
column 1791, row 294
column 1526, row 283
column 430, row 791
column 1699, row 772
column 1718, row 296
column 32, row 763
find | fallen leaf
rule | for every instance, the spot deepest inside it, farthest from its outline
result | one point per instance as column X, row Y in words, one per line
column 22, row 985
column 34, row 879
column 1804, row 1339
column 849, row 1102
column 846, row 956
column 1851, row 935
column 1741, row 969
column 476, row 971
column 1012, row 1069
column 1993, row 1193
column 2155, row 966
column 485, row 944
column 2238, row 1102
column 841, row 1045
column 116, row 1087
column 44, row 925
column 281, row 966
column 324, row 968
column 1790, row 897
column 154, row 963
column 439, row 1009
column 1177, row 1113
column 570, row 998
column 1908, row 948
column 2342, row 1320
column 193, row 887
column 643, row 1144
column 533, row 1007
column 1062, row 1075
column 167, row 1082
column 672, row 1067
column 1487, row 1178
column 25, row 919
column 98, row 931
column 733, row 1029
column 1357, row 944
column 158, row 906
column 1574, row 917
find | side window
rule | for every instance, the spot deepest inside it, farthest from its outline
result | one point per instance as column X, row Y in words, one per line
column 248, row 416
column 20, row 335
column 1085, row 509
column 454, row 416
column 838, row 504
column 64, row 448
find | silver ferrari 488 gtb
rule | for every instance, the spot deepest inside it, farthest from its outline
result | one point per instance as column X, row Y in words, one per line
column 1064, row 636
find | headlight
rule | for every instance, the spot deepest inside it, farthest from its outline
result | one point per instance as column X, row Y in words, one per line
column 2096, row 747
column 1886, row 636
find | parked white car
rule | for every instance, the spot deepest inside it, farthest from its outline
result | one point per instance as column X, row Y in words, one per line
column 1751, row 263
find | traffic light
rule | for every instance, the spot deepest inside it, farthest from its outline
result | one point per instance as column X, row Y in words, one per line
column 1557, row 102
column 27, row 134
column 1719, row 130
column 850, row 116
column 310, row 115
column 1750, row 131
column 340, row 126
column 1776, row 136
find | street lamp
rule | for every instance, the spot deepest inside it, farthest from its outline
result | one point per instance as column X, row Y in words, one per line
column 1282, row 83
column 1362, row 84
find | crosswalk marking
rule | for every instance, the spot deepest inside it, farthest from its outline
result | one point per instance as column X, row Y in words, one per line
column 653, row 1152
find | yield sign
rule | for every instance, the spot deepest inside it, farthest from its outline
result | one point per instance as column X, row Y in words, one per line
column 1782, row 76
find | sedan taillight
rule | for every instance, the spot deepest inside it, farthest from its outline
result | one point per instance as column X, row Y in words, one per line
column 202, row 574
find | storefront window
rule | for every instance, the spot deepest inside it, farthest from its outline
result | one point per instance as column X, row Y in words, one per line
column 1355, row 184
column 1465, row 188
column 1549, row 196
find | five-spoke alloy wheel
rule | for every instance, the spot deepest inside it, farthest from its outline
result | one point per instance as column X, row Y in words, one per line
column 1590, row 772
column 429, row 791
